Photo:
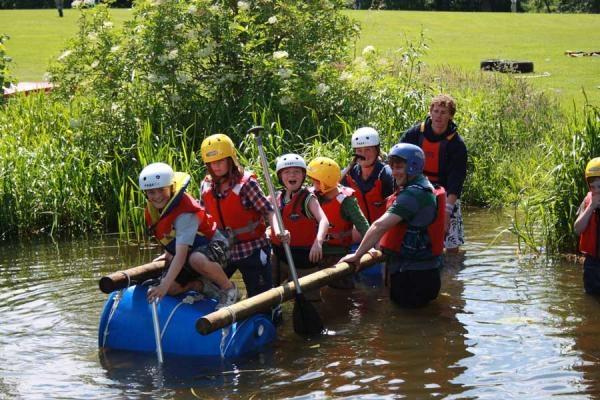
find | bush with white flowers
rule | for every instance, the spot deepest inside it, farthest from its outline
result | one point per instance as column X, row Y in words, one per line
column 205, row 63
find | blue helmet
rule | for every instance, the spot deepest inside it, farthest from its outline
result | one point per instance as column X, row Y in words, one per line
column 413, row 155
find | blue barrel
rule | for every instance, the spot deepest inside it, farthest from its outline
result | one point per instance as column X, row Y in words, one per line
column 126, row 324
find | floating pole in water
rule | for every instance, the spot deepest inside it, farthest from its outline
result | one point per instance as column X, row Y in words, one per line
column 264, row 301
column 156, row 324
column 122, row 279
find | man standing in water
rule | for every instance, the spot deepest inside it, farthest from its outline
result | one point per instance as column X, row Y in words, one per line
column 445, row 161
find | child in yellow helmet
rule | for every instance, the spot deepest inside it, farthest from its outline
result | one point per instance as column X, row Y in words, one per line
column 586, row 226
column 342, row 210
column 234, row 198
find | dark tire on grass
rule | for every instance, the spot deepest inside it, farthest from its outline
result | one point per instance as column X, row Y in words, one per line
column 507, row 66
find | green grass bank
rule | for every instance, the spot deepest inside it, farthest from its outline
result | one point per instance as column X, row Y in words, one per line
column 455, row 39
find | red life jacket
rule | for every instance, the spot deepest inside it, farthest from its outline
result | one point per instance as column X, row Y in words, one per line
column 393, row 238
column 246, row 224
column 340, row 229
column 588, row 239
column 161, row 225
column 303, row 230
column 433, row 154
column 371, row 203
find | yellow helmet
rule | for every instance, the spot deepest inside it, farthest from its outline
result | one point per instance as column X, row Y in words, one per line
column 593, row 168
column 217, row 147
column 326, row 171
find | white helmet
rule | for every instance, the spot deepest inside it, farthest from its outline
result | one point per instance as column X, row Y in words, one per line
column 365, row 137
column 290, row 160
column 156, row 175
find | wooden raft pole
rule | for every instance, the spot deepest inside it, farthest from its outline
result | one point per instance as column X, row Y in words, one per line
column 122, row 279
column 264, row 301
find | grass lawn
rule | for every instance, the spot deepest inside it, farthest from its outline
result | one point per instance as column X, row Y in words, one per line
column 458, row 39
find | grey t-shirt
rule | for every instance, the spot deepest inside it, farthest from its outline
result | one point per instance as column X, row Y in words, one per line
column 186, row 226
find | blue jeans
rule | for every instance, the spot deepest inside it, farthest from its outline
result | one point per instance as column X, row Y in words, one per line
column 255, row 269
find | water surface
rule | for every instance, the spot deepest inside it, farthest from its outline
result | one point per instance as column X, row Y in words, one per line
column 504, row 326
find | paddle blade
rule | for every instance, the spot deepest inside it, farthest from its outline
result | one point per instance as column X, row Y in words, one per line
column 307, row 320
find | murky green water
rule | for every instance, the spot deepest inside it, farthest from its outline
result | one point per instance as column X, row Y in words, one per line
column 504, row 327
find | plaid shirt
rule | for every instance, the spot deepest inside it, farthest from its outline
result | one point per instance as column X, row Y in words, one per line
column 252, row 197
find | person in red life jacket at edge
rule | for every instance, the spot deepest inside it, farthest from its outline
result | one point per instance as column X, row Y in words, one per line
column 304, row 220
column 445, row 161
column 195, row 250
column 234, row 198
column 586, row 226
column 341, row 208
column 411, row 232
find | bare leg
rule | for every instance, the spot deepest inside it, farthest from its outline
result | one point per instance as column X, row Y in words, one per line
column 212, row 270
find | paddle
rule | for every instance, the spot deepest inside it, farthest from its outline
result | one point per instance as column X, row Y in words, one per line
column 355, row 159
column 306, row 319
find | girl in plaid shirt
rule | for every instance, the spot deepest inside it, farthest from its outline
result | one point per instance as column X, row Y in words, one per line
column 234, row 198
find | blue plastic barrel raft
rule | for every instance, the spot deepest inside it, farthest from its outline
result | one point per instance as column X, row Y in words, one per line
column 126, row 324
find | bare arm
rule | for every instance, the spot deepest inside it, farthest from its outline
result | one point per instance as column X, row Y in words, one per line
column 316, row 251
column 373, row 235
column 584, row 216
column 158, row 292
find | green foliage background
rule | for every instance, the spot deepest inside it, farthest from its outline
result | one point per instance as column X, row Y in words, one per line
column 181, row 70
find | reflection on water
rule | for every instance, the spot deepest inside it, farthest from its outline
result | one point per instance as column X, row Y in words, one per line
column 503, row 326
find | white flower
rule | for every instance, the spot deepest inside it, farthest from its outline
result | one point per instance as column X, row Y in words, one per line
column 173, row 54
column 157, row 2
column 278, row 55
column 76, row 4
column 92, row 36
column 285, row 100
column 89, row 3
column 192, row 9
column 322, row 89
column 114, row 49
column 368, row 49
column 284, row 73
column 344, row 76
column 114, row 107
column 152, row 78
column 215, row 8
column 94, row 64
column 107, row 24
column 65, row 55
column 178, row 27
column 272, row 20
column 243, row 5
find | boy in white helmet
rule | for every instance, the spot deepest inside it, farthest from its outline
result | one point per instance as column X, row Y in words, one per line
column 304, row 221
column 193, row 245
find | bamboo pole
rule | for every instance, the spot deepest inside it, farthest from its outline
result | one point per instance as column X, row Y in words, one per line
column 264, row 301
column 122, row 279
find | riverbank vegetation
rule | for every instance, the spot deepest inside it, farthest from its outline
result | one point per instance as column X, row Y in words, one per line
column 178, row 71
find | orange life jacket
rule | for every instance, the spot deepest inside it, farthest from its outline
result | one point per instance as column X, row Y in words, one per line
column 162, row 225
column 303, row 230
column 433, row 154
column 246, row 224
column 371, row 203
column 340, row 229
column 588, row 240
column 392, row 240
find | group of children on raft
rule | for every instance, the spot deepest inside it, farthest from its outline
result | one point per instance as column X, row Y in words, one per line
column 391, row 206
